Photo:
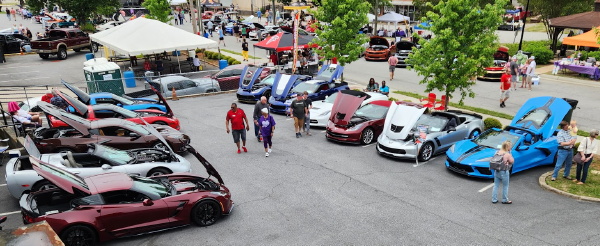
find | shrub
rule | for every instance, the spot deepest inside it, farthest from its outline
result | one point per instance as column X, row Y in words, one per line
column 236, row 62
column 540, row 49
column 88, row 27
column 543, row 55
column 230, row 61
column 492, row 123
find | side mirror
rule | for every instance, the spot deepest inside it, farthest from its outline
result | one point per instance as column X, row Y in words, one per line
column 522, row 148
column 134, row 136
column 106, row 167
column 147, row 202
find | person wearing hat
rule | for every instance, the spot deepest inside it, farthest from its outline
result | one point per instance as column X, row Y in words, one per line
column 267, row 127
column 514, row 72
column 565, row 151
column 530, row 70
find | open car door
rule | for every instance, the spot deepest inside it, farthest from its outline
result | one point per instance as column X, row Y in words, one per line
column 249, row 76
column 282, row 85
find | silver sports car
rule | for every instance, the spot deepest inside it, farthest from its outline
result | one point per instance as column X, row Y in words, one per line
column 409, row 133
column 21, row 177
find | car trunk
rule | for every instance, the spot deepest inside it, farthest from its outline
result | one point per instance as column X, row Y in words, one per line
column 46, row 202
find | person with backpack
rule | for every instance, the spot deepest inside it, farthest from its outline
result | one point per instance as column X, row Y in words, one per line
column 501, row 163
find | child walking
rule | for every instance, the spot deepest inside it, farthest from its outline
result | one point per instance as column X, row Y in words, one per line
column 267, row 127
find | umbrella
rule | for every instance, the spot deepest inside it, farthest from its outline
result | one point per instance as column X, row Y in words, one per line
column 285, row 41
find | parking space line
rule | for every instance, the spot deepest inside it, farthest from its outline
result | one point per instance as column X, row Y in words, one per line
column 487, row 187
column 324, row 131
column 6, row 81
column 18, row 73
column 2, row 185
column 368, row 145
column 9, row 213
column 16, row 67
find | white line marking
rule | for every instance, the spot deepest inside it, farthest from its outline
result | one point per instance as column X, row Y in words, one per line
column 6, row 81
column 368, row 145
column 18, row 73
column 15, row 67
column 324, row 131
column 2, row 185
column 9, row 213
column 487, row 187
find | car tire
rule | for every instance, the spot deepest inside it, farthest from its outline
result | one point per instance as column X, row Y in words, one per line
column 205, row 213
column 62, row 53
column 44, row 56
column 42, row 185
column 79, row 235
column 425, row 152
column 158, row 171
column 474, row 134
column 367, row 136
column 160, row 145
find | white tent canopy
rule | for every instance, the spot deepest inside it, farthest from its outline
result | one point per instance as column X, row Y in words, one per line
column 177, row 2
column 371, row 17
column 145, row 36
column 393, row 17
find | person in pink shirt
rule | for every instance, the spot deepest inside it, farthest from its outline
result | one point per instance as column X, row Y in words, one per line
column 392, row 61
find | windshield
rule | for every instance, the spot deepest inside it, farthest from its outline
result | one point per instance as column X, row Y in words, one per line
column 136, row 128
column 267, row 80
column 149, row 187
column 372, row 111
column 331, row 98
column 432, row 123
column 308, row 87
column 537, row 116
column 122, row 100
column 494, row 139
column 115, row 156
column 249, row 74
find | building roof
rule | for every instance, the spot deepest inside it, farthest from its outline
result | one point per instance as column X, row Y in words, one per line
column 585, row 21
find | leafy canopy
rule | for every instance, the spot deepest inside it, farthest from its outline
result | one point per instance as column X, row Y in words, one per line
column 81, row 10
column 549, row 9
column 339, row 22
column 159, row 10
column 463, row 44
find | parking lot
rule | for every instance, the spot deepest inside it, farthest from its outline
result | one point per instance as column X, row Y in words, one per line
column 314, row 192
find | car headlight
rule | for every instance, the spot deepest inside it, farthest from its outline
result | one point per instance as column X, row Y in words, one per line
column 487, row 159
column 356, row 127
column 325, row 113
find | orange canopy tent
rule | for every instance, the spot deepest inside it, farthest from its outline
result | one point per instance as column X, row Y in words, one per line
column 587, row 39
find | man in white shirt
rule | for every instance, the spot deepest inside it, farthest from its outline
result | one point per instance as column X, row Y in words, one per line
column 530, row 70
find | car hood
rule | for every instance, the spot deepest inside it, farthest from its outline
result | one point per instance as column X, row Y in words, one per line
column 400, row 119
column 209, row 167
column 83, row 97
column 320, row 106
column 79, row 107
column 249, row 76
column 404, row 46
column 330, row 72
column 282, row 85
column 379, row 41
column 344, row 106
column 541, row 115
column 80, row 124
column 467, row 152
column 163, row 101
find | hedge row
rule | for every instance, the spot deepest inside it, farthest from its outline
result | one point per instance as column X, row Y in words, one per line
column 540, row 49
column 216, row 56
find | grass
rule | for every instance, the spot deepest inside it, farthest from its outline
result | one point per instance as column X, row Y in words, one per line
column 535, row 27
column 591, row 188
column 239, row 54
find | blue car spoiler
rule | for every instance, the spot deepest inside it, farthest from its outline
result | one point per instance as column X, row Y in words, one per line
column 330, row 72
column 282, row 85
column 251, row 73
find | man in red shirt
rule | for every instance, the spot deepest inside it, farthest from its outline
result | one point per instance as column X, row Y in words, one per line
column 504, row 87
column 237, row 118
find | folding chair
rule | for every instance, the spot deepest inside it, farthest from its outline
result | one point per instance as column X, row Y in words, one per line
column 442, row 103
column 429, row 101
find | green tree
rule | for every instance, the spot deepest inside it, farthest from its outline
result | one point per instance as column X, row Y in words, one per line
column 463, row 44
column 375, row 6
column 81, row 10
column 159, row 10
column 340, row 21
column 423, row 7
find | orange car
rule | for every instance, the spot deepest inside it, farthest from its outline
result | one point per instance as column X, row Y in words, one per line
column 379, row 49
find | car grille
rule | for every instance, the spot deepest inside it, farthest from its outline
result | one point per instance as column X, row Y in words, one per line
column 484, row 170
column 246, row 98
column 278, row 107
column 387, row 149
column 314, row 121
column 337, row 135
column 459, row 168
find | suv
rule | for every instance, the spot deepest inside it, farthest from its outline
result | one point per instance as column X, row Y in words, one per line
column 13, row 43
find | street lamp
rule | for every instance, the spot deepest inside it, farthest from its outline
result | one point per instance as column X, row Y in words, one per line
column 524, row 20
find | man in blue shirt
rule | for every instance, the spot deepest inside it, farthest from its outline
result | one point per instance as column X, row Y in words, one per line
column 565, row 151
column 384, row 89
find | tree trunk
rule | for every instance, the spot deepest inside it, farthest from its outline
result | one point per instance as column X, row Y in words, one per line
column 447, row 100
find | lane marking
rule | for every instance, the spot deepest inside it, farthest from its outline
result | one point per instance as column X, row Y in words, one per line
column 324, row 131
column 487, row 187
column 7, row 68
column 5, row 74
column 2, row 185
column 7, row 81
column 9, row 213
column 368, row 145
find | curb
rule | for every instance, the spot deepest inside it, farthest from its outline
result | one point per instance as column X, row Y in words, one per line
column 542, row 182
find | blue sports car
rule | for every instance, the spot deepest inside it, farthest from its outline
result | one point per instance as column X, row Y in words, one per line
column 531, row 133
column 318, row 89
column 251, row 87
column 106, row 97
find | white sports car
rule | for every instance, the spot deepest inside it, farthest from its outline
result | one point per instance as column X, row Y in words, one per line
column 321, row 110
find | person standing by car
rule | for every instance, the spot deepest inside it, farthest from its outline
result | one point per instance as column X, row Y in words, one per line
column 503, row 176
column 514, row 72
column 258, row 107
column 392, row 61
column 505, row 87
column 196, row 62
column 238, row 118
column 308, row 105
column 298, row 112
column 587, row 149
column 245, row 49
column 267, row 127
column 530, row 71
column 565, row 151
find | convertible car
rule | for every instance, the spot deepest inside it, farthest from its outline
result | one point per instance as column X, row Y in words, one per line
column 20, row 177
column 100, row 111
column 379, row 49
column 321, row 110
column 531, row 133
column 105, row 97
column 287, row 87
column 409, row 133
column 98, row 208
column 251, row 87
column 116, row 133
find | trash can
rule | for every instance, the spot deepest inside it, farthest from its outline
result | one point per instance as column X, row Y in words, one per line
column 176, row 53
column 129, row 79
column 89, row 56
column 102, row 76
column 222, row 64
column 573, row 104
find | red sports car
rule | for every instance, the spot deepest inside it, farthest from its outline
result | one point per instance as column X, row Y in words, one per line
column 229, row 77
column 101, row 111
column 112, row 205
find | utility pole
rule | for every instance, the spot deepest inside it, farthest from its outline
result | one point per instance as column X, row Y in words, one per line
column 273, row 14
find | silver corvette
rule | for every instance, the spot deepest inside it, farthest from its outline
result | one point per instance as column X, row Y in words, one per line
column 410, row 133
column 20, row 176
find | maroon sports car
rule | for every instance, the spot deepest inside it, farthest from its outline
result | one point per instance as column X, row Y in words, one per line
column 112, row 205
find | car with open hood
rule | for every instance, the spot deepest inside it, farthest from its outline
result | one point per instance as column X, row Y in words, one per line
column 98, row 208
column 229, row 77
column 379, row 49
column 252, row 87
column 351, row 123
column 318, row 88
column 321, row 110
column 493, row 73
column 411, row 133
column 113, row 132
column 121, row 101
column 102, row 111
column 21, row 178
column 403, row 49
column 183, row 86
column 531, row 132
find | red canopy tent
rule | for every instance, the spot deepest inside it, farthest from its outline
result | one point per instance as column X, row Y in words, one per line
column 285, row 41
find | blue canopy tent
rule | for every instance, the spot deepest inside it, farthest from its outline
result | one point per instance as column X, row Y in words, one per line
column 423, row 26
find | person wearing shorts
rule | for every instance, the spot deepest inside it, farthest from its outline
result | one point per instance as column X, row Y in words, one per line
column 505, row 82
column 514, row 72
column 237, row 117
column 221, row 36
column 298, row 112
column 392, row 61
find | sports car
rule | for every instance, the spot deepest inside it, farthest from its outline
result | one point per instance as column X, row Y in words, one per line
column 409, row 133
column 20, row 177
column 403, row 50
column 113, row 132
column 251, row 87
column 318, row 88
column 494, row 73
column 98, row 208
column 379, row 49
column 105, row 97
column 229, row 77
column 531, row 133
column 321, row 110
column 100, row 111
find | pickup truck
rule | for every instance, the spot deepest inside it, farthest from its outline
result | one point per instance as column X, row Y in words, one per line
column 60, row 40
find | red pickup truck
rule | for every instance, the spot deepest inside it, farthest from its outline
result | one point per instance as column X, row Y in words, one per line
column 60, row 40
